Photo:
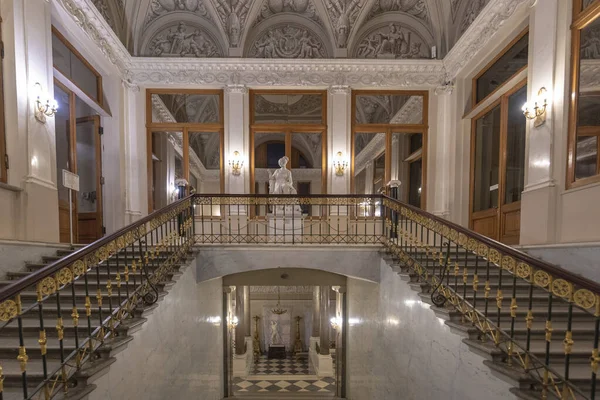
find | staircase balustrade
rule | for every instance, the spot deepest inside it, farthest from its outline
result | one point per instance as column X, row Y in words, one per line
column 542, row 321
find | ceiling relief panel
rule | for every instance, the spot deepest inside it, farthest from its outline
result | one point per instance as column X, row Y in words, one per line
column 162, row 7
column 304, row 8
column 342, row 16
column 113, row 12
column 416, row 8
column 182, row 40
column 233, row 15
column 287, row 41
column 392, row 41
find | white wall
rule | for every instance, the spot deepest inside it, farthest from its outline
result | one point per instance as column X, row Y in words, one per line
column 415, row 355
column 178, row 353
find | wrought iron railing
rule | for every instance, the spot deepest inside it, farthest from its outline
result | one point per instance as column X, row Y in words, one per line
column 75, row 305
column 545, row 320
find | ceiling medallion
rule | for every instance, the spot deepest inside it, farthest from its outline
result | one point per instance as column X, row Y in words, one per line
column 278, row 310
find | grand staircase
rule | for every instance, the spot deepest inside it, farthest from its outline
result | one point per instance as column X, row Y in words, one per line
column 79, row 384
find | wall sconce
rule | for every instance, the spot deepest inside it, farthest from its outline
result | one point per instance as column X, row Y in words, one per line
column 339, row 164
column 536, row 110
column 236, row 163
column 44, row 105
column 232, row 322
column 336, row 322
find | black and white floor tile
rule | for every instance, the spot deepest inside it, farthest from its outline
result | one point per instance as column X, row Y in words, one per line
column 288, row 366
column 287, row 385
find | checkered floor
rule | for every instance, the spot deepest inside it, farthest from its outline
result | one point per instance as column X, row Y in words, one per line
column 290, row 375
column 289, row 366
column 324, row 385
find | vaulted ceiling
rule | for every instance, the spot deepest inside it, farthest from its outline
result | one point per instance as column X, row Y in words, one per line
column 376, row 29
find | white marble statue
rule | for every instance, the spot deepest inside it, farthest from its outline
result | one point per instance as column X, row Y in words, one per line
column 281, row 182
column 275, row 335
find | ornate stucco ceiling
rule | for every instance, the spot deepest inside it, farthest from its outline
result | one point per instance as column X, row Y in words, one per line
column 376, row 29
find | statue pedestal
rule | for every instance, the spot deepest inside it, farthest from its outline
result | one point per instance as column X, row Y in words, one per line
column 277, row 351
column 285, row 229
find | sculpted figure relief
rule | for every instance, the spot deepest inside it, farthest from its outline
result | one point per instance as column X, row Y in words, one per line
column 395, row 43
column 233, row 15
column 416, row 8
column 343, row 14
column 287, row 42
column 280, row 182
column 305, row 8
column 179, row 43
column 160, row 7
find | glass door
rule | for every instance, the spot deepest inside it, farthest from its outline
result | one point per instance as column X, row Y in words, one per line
column 498, row 167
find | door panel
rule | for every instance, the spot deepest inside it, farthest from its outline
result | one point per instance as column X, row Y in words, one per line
column 89, row 169
column 511, row 223
column 486, row 223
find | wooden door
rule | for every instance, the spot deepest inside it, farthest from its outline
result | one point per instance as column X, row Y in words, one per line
column 88, row 155
column 498, row 167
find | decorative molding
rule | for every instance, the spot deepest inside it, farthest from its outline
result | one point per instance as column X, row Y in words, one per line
column 177, row 41
column 156, row 8
column 274, row 72
column 130, row 86
column 342, row 16
column 300, row 8
column 444, row 89
column 417, row 9
column 474, row 7
column 282, row 289
column 479, row 33
column 232, row 14
column 391, row 41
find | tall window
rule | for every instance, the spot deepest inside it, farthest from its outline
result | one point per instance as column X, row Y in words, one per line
column 292, row 124
column 584, row 116
column 3, row 155
column 389, row 142
column 185, row 141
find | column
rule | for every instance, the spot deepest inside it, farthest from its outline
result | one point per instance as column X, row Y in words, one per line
column 240, row 330
column 324, row 320
column 31, row 144
column 247, row 316
column 538, row 202
column 236, row 124
column 370, row 167
column 316, row 320
column 339, row 136
column 136, row 202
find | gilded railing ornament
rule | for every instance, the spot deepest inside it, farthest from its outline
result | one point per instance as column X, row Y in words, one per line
column 79, row 267
column 499, row 299
column 595, row 361
column 494, row 256
column 523, row 270
column 482, row 250
column 42, row 341
column 60, row 328
column 508, row 263
column 541, row 278
column 8, row 310
column 47, row 286
column 64, row 276
column 75, row 316
column 568, row 342
column 475, row 282
column 487, row 290
column 562, row 288
column 529, row 319
column 22, row 358
column 584, row 298
column 548, row 331
column 513, row 308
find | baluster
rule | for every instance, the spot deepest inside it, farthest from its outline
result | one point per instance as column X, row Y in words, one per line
column 529, row 322
column 548, row 330
column 99, row 299
column 499, row 299
column 475, row 281
column 513, row 317
column 595, row 359
column 109, row 295
column 22, row 357
column 88, row 311
column 43, row 341
column 568, row 343
column 60, row 331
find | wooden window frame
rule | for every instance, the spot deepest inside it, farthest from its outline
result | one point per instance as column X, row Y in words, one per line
column 502, row 102
column 389, row 130
column 289, row 129
column 490, row 65
column 99, row 90
column 185, row 128
column 3, row 151
column 581, row 19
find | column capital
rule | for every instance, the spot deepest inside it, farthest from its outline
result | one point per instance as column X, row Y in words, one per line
column 444, row 89
column 127, row 84
column 339, row 89
column 236, row 88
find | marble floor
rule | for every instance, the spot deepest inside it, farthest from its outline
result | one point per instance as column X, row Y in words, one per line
column 286, row 376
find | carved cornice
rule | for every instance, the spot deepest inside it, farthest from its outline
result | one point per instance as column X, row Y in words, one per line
column 274, row 72
column 339, row 89
column 236, row 89
column 479, row 33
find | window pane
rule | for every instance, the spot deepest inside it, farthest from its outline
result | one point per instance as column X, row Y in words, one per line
column 187, row 108
column 369, row 156
column 86, row 137
column 503, row 69
column 389, row 109
column 167, row 166
column 306, row 161
column 588, row 103
column 74, row 68
column 288, row 109
column 515, row 147
column 487, row 144
column 62, row 126
column 407, row 151
column 205, row 161
column 586, row 4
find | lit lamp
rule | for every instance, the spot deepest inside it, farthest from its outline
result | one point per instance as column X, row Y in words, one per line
column 44, row 105
column 232, row 322
column 236, row 163
column 336, row 322
column 536, row 110
column 339, row 164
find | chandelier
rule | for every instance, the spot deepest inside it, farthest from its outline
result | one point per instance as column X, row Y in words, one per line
column 278, row 310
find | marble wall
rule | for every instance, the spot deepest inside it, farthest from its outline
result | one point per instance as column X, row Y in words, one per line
column 178, row 353
column 398, row 348
column 14, row 254
column 581, row 259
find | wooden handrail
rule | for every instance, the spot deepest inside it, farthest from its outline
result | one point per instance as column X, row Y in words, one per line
column 556, row 271
column 23, row 283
